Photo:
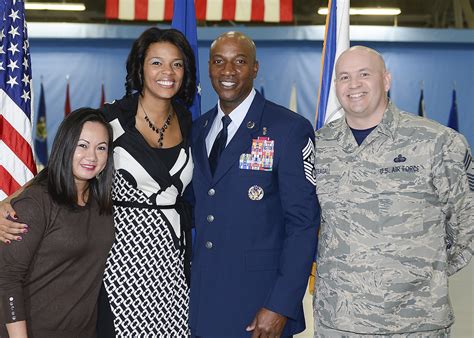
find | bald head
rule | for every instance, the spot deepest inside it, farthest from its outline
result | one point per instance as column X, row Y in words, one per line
column 236, row 36
column 362, row 82
column 232, row 68
column 366, row 52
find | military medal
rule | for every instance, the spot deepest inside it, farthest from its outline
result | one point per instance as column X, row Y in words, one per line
column 244, row 161
column 261, row 156
column 255, row 193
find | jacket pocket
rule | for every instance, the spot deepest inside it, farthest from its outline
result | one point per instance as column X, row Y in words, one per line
column 401, row 212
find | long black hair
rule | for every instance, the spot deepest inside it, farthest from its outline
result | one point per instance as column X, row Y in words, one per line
column 136, row 59
column 58, row 174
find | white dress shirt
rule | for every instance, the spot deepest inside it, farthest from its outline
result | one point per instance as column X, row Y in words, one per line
column 237, row 116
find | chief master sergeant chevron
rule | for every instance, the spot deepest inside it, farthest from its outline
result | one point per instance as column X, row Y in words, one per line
column 396, row 196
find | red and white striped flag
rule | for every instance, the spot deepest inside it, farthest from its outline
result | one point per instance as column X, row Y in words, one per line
column 17, row 165
column 206, row 10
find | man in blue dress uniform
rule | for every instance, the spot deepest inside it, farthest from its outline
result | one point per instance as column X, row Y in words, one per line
column 256, row 210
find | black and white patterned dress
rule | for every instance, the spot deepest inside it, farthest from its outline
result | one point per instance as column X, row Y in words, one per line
column 146, row 272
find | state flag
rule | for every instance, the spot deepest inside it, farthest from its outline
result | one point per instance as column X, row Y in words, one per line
column 41, row 140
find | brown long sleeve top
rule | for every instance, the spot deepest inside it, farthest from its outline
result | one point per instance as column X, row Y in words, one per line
column 52, row 277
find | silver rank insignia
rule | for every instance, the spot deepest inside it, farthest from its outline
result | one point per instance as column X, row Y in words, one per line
column 256, row 193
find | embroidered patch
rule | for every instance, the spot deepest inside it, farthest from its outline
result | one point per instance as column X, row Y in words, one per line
column 261, row 157
column 469, row 165
column 308, row 162
column 399, row 159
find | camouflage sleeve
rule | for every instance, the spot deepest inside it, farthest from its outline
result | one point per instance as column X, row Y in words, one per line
column 455, row 183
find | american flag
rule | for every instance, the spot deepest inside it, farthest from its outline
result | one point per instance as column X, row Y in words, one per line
column 206, row 10
column 17, row 165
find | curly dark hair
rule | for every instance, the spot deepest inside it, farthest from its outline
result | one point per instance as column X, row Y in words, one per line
column 136, row 59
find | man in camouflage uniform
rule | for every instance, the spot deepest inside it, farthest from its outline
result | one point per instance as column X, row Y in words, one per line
column 396, row 195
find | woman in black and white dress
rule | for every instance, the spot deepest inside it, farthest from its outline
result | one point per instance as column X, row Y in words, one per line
column 146, row 277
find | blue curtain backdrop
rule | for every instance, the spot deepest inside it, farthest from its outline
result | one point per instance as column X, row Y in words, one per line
column 91, row 61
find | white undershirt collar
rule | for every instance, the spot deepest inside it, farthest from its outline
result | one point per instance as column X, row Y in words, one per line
column 237, row 116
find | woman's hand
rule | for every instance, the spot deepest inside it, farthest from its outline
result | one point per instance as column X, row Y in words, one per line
column 10, row 230
column 17, row 329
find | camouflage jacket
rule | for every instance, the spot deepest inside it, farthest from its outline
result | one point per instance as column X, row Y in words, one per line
column 397, row 220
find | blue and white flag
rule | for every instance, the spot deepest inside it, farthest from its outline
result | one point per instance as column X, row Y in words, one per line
column 336, row 40
column 184, row 20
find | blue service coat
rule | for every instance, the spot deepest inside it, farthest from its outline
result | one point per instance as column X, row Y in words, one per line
column 253, row 253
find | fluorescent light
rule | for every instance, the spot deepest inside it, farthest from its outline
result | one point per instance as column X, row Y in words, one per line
column 54, row 6
column 366, row 11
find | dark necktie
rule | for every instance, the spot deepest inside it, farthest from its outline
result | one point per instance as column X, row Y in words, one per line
column 219, row 144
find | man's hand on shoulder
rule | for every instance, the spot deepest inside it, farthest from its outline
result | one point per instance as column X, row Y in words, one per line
column 267, row 324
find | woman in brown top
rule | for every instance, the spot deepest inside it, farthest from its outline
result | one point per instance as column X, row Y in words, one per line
column 50, row 281
column 147, row 272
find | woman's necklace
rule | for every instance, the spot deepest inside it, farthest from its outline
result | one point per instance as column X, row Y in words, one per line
column 159, row 131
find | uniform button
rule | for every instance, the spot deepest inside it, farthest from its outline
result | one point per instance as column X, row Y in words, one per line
column 210, row 218
column 211, row 192
column 209, row 245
